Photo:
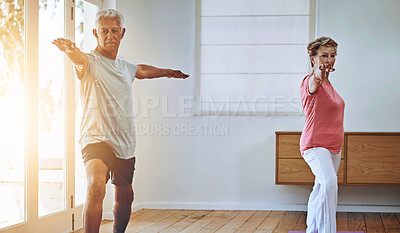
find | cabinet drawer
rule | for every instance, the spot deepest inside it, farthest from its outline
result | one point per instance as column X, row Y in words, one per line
column 288, row 146
column 373, row 159
column 297, row 171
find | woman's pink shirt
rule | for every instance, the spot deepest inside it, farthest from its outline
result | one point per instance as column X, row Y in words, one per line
column 324, row 112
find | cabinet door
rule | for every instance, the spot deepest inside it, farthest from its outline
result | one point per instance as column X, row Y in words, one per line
column 288, row 146
column 290, row 165
column 373, row 159
column 297, row 171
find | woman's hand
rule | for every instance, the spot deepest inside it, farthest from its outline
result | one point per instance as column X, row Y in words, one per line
column 323, row 74
column 319, row 76
column 327, row 67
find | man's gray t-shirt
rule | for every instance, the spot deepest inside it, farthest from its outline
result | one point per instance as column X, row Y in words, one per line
column 107, row 106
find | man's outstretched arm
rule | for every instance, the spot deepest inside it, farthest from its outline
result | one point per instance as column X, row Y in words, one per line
column 149, row 72
column 77, row 57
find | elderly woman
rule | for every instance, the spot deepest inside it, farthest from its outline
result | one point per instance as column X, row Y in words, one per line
column 322, row 135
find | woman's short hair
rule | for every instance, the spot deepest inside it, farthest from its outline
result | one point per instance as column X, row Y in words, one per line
column 109, row 13
column 313, row 46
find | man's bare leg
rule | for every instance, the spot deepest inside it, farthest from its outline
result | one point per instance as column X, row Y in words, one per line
column 122, row 207
column 96, row 189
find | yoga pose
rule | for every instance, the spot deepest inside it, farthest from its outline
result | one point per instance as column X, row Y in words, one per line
column 107, row 126
column 322, row 136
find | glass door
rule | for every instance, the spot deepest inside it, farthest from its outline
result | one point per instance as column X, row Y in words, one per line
column 41, row 173
column 85, row 14
column 12, row 117
column 52, row 101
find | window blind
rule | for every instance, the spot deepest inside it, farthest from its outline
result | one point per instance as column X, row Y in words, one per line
column 252, row 55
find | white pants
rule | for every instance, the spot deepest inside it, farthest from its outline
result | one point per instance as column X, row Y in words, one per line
column 321, row 212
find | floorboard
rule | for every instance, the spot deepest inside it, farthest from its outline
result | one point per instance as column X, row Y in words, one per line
column 248, row 221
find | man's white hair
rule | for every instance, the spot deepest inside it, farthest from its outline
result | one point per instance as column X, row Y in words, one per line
column 109, row 13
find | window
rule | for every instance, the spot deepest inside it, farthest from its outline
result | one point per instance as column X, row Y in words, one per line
column 251, row 55
column 52, row 116
column 38, row 176
column 85, row 16
column 12, row 118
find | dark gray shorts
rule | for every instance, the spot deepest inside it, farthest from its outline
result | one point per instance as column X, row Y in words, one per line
column 121, row 170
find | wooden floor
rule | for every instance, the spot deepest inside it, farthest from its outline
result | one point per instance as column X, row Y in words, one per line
column 151, row 221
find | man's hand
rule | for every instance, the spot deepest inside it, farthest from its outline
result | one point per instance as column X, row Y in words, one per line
column 77, row 57
column 150, row 72
column 65, row 45
column 176, row 74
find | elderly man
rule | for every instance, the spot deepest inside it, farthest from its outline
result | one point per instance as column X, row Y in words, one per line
column 107, row 127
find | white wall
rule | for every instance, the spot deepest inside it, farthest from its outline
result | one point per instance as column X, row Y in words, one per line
column 368, row 33
column 238, row 171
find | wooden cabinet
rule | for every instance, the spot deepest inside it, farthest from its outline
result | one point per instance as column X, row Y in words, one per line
column 367, row 159
column 373, row 159
column 297, row 171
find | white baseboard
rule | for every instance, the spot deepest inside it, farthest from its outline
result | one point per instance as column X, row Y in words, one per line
column 108, row 216
column 277, row 207
column 369, row 208
column 135, row 207
column 77, row 227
